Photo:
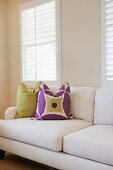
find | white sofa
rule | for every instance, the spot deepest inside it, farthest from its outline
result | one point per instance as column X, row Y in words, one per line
column 83, row 143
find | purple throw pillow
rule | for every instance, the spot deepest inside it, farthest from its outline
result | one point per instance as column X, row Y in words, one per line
column 53, row 106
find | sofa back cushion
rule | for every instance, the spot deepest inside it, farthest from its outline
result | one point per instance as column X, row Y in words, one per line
column 104, row 106
column 82, row 103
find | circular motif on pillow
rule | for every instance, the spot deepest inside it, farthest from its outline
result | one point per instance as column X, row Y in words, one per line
column 54, row 105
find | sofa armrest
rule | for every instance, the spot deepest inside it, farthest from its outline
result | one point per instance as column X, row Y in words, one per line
column 10, row 113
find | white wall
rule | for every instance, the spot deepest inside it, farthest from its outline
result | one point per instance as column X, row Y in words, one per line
column 80, row 43
column 81, row 61
column 4, row 82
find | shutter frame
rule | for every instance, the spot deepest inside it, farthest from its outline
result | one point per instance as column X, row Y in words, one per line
column 107, row 42
column 58, row 62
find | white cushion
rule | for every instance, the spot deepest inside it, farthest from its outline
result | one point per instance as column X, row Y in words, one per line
column 45, row 134
column 82, row 102
column 104, row 106
column 95, row 143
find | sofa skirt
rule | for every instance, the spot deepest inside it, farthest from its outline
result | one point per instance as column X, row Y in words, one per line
column 58, row 160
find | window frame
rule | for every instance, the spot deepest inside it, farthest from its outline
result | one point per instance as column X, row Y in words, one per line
column 31, row 4
column 104, row 82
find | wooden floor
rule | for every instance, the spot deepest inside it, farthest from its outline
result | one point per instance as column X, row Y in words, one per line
column 12, row 162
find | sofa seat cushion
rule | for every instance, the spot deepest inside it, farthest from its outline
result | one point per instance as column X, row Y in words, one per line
column 95, row 143
column 46, row 134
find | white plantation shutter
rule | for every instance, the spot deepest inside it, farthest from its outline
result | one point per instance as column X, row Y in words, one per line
column 108, row 43
column 39, row 41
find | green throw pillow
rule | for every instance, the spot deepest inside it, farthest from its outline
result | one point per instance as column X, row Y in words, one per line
column 26, row 100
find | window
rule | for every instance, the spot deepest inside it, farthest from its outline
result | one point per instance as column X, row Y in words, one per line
column 39, row 27
column 107, row 43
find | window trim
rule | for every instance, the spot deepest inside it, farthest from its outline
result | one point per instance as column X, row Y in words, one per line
column 103, row 56
column 31, row 4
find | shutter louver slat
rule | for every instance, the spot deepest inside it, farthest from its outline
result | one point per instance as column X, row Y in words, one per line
column 108, row 0
column 109, row 27
column 109, row 4
column 109, row 33
column 39, row 42
column 109, row 39
column 109, row 44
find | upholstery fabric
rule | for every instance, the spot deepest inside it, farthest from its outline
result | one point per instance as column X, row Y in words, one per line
column 104, row 106
column 26, row 100
column 59, row 160
column 10, row 113
column 95, row 143
column 52, row 106
column 45, row 134
column 82, row 103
